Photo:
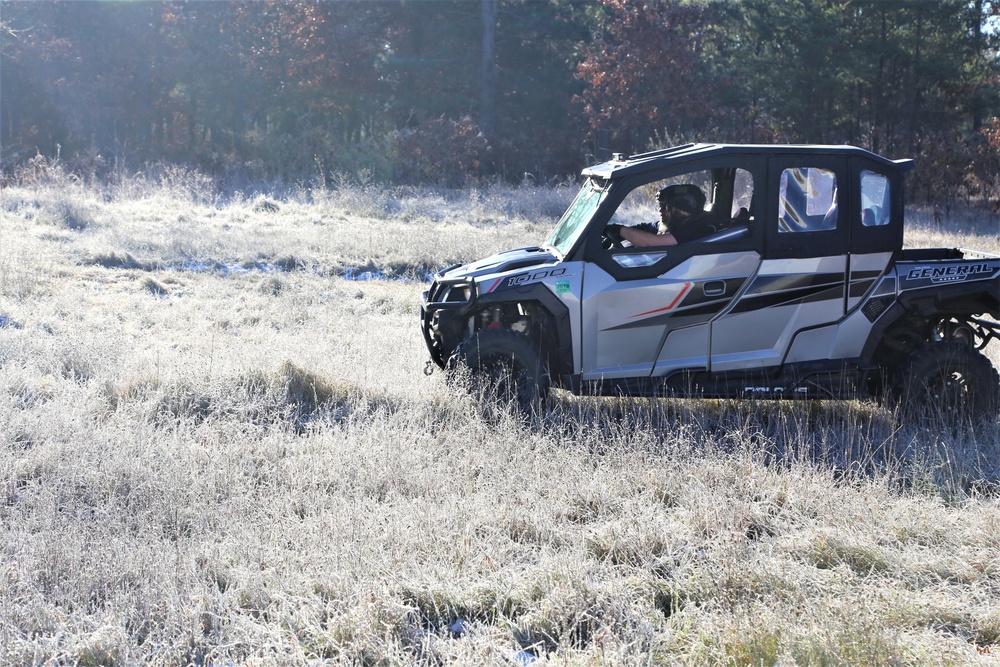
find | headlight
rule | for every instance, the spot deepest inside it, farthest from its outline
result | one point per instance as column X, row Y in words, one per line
column 460, row 293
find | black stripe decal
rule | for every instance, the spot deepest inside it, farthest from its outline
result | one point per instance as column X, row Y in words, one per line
column 767, row 284
column 806, row 295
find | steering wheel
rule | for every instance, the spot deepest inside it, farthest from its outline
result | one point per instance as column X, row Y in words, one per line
column 611, row 240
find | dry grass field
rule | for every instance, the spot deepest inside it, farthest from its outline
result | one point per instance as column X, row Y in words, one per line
column 218, row 447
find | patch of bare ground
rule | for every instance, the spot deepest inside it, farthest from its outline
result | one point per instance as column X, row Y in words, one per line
column 249, row 467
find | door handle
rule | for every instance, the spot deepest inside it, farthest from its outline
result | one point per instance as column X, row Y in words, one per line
column 714, row 288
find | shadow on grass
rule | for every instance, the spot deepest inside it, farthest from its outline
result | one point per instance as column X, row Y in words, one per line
column 853, row 438
column 287, row 397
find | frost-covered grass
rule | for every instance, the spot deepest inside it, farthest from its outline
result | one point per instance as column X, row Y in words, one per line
column 216, row 449
column 400, row 230
column 962, row 228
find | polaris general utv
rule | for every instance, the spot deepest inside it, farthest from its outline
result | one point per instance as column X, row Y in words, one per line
column 797, row 286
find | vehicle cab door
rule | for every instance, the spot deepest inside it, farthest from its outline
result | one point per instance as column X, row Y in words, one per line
column 800, row 285
column 654, row 325
column 646, row 311
column 877, row 227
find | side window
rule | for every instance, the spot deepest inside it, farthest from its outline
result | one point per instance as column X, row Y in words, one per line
column 742, row 194
column 666, row 217
column 875, row 199
column 641, row 206
column 718, row 199
column 807, row 200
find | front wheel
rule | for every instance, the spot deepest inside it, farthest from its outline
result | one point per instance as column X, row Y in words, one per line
column 505, row 369
column 950, row 381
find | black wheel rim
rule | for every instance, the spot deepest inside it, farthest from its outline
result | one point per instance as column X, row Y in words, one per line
column 949, row 389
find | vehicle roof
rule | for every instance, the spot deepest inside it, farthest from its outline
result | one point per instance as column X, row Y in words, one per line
column 623, row 165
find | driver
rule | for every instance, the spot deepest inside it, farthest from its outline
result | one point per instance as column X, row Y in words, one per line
column 683, row 218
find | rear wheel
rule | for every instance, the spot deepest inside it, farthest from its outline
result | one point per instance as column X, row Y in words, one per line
column 951, row 382
column 505, row 369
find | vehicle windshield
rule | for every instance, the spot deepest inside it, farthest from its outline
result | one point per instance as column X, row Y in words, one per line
column 576, row 217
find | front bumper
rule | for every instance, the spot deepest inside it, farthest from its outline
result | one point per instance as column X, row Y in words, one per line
column 443, row 313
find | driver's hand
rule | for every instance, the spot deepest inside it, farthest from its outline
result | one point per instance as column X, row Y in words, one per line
column 614, row 233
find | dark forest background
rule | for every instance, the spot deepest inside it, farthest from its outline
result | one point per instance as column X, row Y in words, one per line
column 459, row 91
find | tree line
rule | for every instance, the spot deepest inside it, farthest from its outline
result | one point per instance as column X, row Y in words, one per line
column 453, row 90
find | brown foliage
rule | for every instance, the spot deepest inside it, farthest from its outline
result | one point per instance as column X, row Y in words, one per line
column 442, row 150
column 989, row 161
column 645, row 70
column 953, row 168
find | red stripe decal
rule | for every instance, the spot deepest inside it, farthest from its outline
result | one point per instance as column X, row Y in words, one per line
column 494, row 285
column 687, row 287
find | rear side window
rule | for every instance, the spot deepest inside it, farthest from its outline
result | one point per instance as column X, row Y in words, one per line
column 875, row 200
column 742, row 193
column 808, row 200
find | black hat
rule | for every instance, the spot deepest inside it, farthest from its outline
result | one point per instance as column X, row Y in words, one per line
column 687, row 197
